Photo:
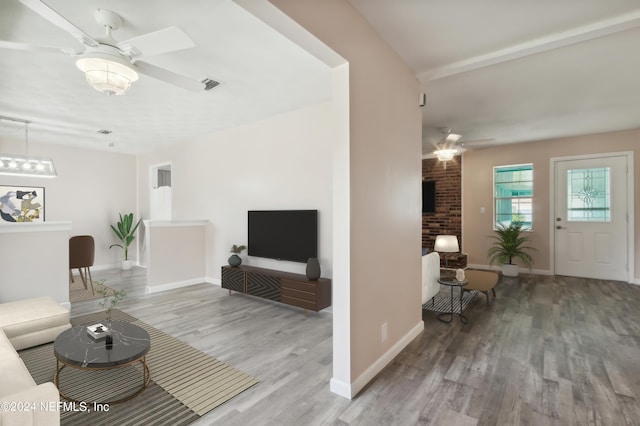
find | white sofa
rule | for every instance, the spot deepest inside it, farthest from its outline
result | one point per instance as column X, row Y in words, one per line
column 23, row 324
column 430, row 276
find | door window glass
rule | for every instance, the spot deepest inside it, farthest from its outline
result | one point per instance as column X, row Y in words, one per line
column 589, row 195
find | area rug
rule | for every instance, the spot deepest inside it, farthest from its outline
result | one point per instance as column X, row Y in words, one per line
column 185, row 382
column 442, row 301
column 77, row 292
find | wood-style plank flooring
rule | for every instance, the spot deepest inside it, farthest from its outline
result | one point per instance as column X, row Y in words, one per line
column 549, row 351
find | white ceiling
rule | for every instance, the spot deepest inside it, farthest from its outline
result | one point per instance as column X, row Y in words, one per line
column 261, row 73
column 496, row 71
column 505, row 71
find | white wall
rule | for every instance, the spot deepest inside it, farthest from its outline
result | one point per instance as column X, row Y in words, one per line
column 34, row 261
column 280, row 163
column 91, row 188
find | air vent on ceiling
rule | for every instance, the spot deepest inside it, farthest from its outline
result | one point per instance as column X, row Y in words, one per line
column 209, row 84
column 105, row 131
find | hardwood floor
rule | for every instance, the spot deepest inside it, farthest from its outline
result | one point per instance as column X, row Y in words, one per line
column 548, row 351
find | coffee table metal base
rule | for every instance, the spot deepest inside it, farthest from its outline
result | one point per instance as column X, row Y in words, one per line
column 146, row 379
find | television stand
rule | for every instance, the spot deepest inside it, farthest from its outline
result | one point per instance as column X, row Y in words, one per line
column 284, row 287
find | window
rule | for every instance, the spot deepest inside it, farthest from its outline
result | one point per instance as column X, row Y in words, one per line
column 513, row 192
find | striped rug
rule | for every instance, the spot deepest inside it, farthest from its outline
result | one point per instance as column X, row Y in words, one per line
column 442, row 301
column 185, row 382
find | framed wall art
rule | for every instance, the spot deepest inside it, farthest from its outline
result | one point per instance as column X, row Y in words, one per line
column 21, row 204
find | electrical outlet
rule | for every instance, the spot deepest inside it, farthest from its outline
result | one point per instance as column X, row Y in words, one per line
column 383, row 332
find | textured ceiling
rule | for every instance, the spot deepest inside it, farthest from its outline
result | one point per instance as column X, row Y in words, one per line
column 496, row 72
column 502, row 71
column 261, row 74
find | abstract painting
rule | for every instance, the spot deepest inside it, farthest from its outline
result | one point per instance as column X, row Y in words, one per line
column 21, row 204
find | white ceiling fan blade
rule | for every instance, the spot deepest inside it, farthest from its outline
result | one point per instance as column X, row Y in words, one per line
column 479, row 142
column 156, row 43
column 452, row 138
column 173, row 78
column 35, row 48
column 52, row 16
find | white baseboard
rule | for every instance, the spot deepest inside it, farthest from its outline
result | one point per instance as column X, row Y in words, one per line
column 340, row 388
column 214, row 281
column 170, row 286
column 499, row 268
column 351, row 390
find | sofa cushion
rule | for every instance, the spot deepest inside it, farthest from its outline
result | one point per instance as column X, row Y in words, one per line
column 31, row 315
column 15, row 377
column 43, row 401
column 6, row 349
column 430, row 276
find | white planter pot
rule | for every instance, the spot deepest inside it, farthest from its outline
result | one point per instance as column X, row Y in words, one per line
column 127, row 264
column 509, row 270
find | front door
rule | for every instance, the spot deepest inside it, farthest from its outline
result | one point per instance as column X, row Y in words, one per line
column 590, row 221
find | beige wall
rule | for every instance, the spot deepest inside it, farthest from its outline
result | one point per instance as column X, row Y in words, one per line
column 384, row 183
column 175, row 254
column 477, row 192
column 276, row 164
column 92, row 187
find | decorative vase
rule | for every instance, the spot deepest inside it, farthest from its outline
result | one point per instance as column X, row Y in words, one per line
column 313, row 268
column 108, row 341
column 235, row 260
column 126, row 264
column 460, row 274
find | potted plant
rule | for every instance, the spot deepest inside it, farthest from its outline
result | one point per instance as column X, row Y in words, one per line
column 125, row 232
column 235, row 259
column 510, row 243
column 110, row 299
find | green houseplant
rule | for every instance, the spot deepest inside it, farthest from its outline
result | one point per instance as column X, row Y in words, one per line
column 510, row 243
column 125, row 232
column 235, row 259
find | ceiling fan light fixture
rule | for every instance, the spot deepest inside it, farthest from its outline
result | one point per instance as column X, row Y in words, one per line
column 445, row 154
column 107, row 73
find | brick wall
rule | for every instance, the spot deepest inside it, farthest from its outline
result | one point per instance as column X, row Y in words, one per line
column 448, row 216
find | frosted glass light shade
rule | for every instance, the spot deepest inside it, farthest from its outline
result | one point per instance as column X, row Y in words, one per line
column 107, row 76
column 445, row 154
column 446, row 244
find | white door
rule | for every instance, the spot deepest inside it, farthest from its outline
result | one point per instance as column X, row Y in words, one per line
column 590, row 221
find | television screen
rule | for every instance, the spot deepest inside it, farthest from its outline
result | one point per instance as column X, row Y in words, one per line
column 283, row 234
column 428, row 196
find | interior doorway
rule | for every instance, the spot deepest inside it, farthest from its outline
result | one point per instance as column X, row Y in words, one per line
column 160, row 192
column 592, row 210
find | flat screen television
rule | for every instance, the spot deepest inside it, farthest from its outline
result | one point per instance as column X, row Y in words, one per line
column 428, row 196
column 283, row 234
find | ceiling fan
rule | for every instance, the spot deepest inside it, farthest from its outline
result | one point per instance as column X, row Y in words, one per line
column 111, row 66
column 448, row 147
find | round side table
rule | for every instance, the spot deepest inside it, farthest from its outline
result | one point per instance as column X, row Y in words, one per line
column 453, row 283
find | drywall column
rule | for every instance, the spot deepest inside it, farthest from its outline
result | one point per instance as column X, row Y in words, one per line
column 383, row 176
column 175, row 254
column 35, row 261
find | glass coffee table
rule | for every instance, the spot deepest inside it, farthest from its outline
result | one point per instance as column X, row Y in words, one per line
column 452, row 282
column 75, row 348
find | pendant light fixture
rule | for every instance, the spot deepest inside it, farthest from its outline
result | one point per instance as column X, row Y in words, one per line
column 25, row 165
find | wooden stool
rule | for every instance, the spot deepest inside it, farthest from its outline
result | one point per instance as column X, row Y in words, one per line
column 483, row 281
